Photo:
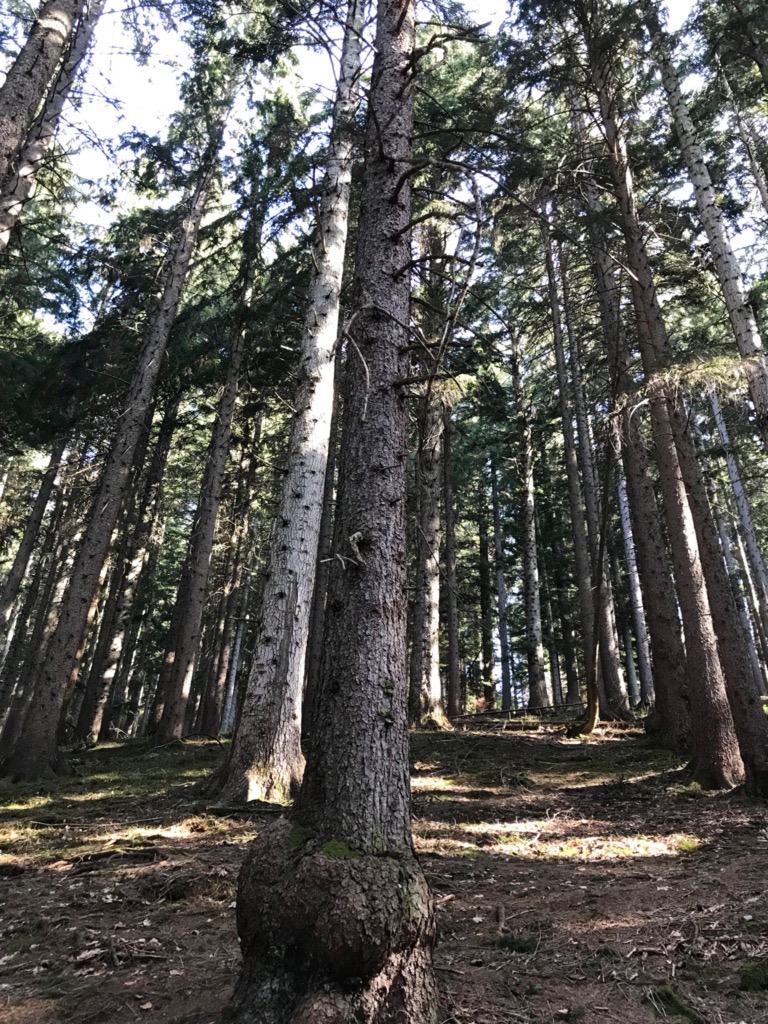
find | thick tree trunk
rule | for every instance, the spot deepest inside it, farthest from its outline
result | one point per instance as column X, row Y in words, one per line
column 726, row 265
column 501, row 597
column 19, row 186
column 717, row 762
column 427, row 690
column 453, row 670
column 334, row 915
column 37, row 754
column 24, row 551
column 26, row 85
column 266, row 761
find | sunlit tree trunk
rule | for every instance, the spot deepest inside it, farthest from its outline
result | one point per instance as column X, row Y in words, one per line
column 453, row 671
column 266, row 761
column 19, row 186
column 486, row 604
column 635, row 594
column 501, row 597
column 28, row 78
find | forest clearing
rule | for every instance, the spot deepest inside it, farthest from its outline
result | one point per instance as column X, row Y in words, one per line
column 383, row 511
column 620, row 882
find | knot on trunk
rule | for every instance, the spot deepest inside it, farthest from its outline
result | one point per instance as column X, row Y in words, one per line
column 326, row 909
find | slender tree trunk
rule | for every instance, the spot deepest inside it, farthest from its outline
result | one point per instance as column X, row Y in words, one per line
column 425, row 652
column 501, row 597
column 346, row 854
column 29, row 77
column 486, row 605
column 726, row 265
column 717, row 762
column 561, row 602
column 266, row 761
column 37, row 754
column 193, row 587
column 453, row 674
column 749, row 139
column 19, row 186
column 24, row 551
column 635, row 594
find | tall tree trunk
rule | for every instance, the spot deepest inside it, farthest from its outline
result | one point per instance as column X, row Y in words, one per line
column 37, row 754
column 717, row 762
column 749, row 139
column 334, row 915
column 486, row 604
column 266, row 761
column 24, row 551
column 726, row 265
column 19, row 186
column 501, row 597
column 193, row 586
column 635, row 591
column 427, row 690
column 453, row 669
column 26, row 85
column 743, row 508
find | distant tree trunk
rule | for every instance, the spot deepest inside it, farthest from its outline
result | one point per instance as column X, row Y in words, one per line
column 193, row 586
column 26, row 85
column 635, row 594
column 19, row 186
column 18, row 570
column 486, row 605
column 427, row 692
column 749, row 140
column 37, row 754
column 501, row 597
column 554, row 661
column 453, row 673
column 560, row 602
column 744, row 510
column 334, row 915
column 717, row 762
column 578, row 525
column 726, row 265
column 266, row 761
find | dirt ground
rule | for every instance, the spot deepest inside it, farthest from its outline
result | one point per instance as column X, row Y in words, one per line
column 573, row 881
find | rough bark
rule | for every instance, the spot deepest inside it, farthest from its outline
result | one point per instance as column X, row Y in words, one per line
column 19, row 186
column 726, row 265
column 266, row 761
column 453, row 670
column 20, row 564
column 425, row 682
column 716, row 758
column 501, row 597
column 486, row 605
column 37, row 754
column 334, row 916
column 29, row 76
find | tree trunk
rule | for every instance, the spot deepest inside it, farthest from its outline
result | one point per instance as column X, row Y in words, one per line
column 21, row 561
column 486, row 605
column 425, row 682
column 19, row 186
column 26, row 85
column 726, row 265
column 635, row 592
column 37, row 754
column 717, row 762
column 501, row 597
column 193, row 587
column 334, row 915
column 749, row 139
column 266, row 761
column 453, row 673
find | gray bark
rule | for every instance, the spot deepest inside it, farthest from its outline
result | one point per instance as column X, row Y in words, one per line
column 19, row 186
column 266, row 761
column 635, row 595
column 37, row 754
column 501, row 597
column 453, row 671
column 26, row 85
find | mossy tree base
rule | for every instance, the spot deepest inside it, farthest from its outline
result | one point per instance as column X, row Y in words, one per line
column 330, row 936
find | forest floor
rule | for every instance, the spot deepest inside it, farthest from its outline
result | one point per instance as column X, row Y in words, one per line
column 627, row 895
